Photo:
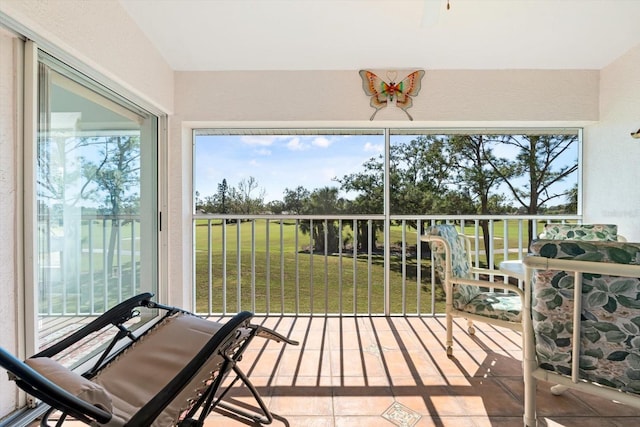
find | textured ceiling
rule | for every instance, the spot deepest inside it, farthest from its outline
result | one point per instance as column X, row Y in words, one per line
column 376, row 34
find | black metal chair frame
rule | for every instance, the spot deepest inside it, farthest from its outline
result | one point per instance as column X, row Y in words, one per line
column 229, row 342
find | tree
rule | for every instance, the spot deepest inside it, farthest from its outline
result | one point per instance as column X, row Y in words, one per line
column 420, row 175
column 537, row 161
column 418, row 182
column 113, row 177
column 275, row 207
column 369, row 184
column 242, row 199
column 323, row 201
column 572, row 198
column 223, row 190
column 294, row 200
column 479, row 172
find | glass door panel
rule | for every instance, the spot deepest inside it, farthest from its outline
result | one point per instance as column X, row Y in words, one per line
column 96, row 198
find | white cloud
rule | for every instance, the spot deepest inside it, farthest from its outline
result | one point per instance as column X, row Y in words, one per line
column 321, row 142
column 377, row 148
column 296, row 145
column 263, row 140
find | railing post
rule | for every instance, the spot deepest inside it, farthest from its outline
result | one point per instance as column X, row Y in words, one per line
column 387, row 224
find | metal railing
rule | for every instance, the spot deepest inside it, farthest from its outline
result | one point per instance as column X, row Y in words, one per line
column 277, row 264
column 338, row 264
column 87, row 264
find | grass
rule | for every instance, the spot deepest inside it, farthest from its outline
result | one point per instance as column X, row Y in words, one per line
column 286, row 278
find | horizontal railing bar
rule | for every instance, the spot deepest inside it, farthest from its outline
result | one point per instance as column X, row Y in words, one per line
column 549, row 218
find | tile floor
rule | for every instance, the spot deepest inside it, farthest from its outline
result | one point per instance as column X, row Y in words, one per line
column 394, row 371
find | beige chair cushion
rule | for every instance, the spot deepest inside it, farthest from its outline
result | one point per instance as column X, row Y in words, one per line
column 72, row 382
column 141, row 371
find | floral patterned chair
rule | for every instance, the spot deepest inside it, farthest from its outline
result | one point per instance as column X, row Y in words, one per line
column 582, row 298
column 606, row 232
column 466, row 295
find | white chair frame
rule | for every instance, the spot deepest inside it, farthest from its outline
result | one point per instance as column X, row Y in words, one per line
column 450, row 281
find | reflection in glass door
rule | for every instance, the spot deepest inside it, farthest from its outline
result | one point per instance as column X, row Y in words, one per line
column 96, row 197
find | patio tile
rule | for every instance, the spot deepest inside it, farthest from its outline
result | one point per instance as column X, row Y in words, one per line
column 355, row 363
column 315, row 421
column 361, row 421
column 336, row 378
column 350, row 340
column 346, row 402
column 302, row 381
column 445, row 404
column 458, row 421
column 422, row 400
column 400, row 415
column 603, row 407
column 488, row 396
column 306, row 402
column 367, row 381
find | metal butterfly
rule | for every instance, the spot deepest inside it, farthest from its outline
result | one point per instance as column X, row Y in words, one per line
column 382, row 92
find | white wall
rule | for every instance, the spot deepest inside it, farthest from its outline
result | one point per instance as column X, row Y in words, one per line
column 446, row 96
column 103, row 36
column 8, row 185
column 611, row 157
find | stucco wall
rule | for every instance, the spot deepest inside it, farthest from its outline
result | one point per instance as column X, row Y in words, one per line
column 103, row 36
column 611, row 157
column 8, row 184
column 446, row 96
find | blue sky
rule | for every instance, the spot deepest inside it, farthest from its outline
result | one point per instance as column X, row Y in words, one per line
column 279, row 162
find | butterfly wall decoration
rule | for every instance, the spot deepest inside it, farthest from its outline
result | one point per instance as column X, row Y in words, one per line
column 383, row 93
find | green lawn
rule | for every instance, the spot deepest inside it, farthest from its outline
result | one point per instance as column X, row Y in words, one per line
column 289, row 289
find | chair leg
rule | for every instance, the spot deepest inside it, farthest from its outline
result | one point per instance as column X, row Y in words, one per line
column 470, row 328
column 265, row 418
column 529, row 365
column 449, row 335
column 530, row 402
column 558, row 389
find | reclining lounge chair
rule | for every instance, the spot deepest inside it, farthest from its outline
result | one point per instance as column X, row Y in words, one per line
column 170, row 374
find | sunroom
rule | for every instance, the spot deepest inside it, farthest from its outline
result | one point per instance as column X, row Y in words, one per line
column 98, row 75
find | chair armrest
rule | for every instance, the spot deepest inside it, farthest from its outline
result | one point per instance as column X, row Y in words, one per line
column 270, row 334
column 115, row 315
column 37, row 385
column 482, row 270
column 592, row 267
column 485, row 284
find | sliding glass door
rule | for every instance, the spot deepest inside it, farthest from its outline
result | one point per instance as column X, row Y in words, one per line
column 96, row 197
